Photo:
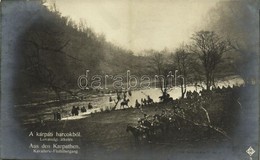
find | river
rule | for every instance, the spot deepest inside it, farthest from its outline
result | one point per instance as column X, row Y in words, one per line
column 101, row 101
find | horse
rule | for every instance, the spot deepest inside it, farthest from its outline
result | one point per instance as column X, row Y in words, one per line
column 138, row 133
column 124, row 103
column 149, row 100
column 152, row 127
column 166, row 98
column 137, row 104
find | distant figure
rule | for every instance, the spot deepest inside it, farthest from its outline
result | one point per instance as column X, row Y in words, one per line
column 137, row 104
column 90, row 106
column 129, row 93
column 196, row 86
column 124, row 103
column 149, row 100
column 74, row 111
column 110, row 99
column 77, row 111
column 57, row 116
column 188, row 94
column 125, row 96
column 118, row 97
column 163, row 98
column 142, row 101
column 54, row 116
column 164, row 92
column 83, row 109
column 145, row 102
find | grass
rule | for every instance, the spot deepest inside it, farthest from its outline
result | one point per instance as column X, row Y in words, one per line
column 105, row 133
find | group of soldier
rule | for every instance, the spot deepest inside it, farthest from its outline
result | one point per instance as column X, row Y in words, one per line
column 184, row 111
column 75, row 110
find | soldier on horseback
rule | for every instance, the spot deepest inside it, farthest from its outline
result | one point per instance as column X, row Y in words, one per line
column 124, row 103
column 137, row 104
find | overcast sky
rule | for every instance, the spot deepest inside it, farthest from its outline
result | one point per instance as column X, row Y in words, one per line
column 140, row 24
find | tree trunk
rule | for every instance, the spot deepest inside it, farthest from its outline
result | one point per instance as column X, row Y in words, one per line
column 207, row 81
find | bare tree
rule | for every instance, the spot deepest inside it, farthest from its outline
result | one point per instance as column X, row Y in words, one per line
column 45, row 56
column 158, row 64
column 210, row 49
column 237, row 22
column 245, row 62
column 39, row 69
column 181, row 59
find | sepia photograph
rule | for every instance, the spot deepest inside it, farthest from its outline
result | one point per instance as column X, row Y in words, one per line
column 130, row 79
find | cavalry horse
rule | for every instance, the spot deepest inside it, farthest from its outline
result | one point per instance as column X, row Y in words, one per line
column 149, row 100
column 138, row 133
column 152, row 126
column 124, row 103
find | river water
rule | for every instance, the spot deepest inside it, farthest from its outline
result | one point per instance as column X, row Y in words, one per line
column 101, row 101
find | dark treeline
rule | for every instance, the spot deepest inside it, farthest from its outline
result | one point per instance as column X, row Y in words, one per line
column 55, row 51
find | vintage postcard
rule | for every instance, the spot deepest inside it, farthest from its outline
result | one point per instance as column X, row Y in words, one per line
column 130, row 79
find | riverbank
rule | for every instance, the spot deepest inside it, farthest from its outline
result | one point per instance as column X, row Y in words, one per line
column 34, row 112
column 46, row 97
column 106, row 131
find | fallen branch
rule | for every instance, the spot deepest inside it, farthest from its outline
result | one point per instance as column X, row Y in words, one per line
column 219, row 130
column 114, row 108
column 240, row 105
column 206, row 112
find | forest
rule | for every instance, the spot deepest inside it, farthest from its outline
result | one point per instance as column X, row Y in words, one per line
column 55, row 51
